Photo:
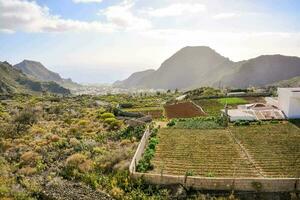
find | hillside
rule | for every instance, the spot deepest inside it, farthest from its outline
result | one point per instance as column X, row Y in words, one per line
column 38, row 71
column 14, row 81
column 293, row 82
column 263, row 70
column 194, row 67
column 134, row 79
column 189, row 67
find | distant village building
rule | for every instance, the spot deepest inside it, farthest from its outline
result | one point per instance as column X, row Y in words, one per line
column 289, row 102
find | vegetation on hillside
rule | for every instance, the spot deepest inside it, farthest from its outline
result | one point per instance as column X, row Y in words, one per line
column 14, row 81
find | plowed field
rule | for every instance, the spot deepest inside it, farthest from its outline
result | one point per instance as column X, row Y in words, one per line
column 183, row 110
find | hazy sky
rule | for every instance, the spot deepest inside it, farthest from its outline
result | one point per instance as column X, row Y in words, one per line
column 105, row 40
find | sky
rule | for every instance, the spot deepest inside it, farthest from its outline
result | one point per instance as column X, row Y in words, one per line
column 101, row 41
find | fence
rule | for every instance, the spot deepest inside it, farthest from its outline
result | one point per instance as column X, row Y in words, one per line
column 203, row 183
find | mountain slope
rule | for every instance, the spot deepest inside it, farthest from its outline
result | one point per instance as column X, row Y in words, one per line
column 14, row 81
column 263, row 70
column 194, row 67
column 38, row 71
column 134, row 80
column 293, row 82
column 189, row 67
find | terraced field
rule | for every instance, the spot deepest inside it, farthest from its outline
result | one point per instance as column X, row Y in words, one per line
column 274, row 148
column 155, row 112
column 200, row 152
column 183, row 110
column 210, row 106
column 271, row 150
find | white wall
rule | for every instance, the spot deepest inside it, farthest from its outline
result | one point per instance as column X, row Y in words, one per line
column 289, row 102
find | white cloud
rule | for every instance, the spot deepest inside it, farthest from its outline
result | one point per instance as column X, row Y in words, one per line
column 226, row 15
column 87, row 1
column 230, row 15
column 177, row 9
column 28, row 16
column 122, row 16
column 235, row 45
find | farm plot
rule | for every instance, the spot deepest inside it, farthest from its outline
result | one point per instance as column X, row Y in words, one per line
column 210, row 106
column 155, row 112
column 275, row 148
column 183, row 110
column 209, row 153
column 232, row 101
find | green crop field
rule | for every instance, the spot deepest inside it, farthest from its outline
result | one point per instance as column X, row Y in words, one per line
column 212, row 107
column 274, row 147
column 210, row 153
column 232, row 101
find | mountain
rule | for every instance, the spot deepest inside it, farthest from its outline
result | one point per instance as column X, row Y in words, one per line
column 293, row 82
column 13, row 80
column 38, row 71
column 263, row 70
column 194, row 67
column 134, row 79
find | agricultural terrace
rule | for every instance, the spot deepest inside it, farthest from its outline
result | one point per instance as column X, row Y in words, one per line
column 269, row 150
column 208, row 153
column 232, row 101
column 211, row 107
column 275, row 148
column 183, row 110
column 155, row 112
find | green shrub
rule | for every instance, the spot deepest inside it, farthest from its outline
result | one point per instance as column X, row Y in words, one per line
column 171, row 123
column 110, row 120
column 107, row 115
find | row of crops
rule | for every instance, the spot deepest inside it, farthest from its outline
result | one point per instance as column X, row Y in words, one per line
column 274, row 151
column 210, row 153
column 275, row 148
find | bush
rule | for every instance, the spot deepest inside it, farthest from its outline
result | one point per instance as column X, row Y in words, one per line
column 109, row 120
column 171, row 123
column 23, row 119
column 30, row 157
column 107, row 115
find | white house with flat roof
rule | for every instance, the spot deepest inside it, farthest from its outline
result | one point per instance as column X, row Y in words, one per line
column 289, row 102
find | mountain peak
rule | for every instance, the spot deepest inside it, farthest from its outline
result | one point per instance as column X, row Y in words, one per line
column 197, row 66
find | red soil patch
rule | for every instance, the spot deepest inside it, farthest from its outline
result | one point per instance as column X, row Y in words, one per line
column 183, row 110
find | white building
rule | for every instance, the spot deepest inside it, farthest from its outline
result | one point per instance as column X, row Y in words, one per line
column 289, row 102
column 256, row 111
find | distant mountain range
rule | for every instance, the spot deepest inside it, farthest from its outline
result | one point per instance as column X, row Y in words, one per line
column 38, row 71
column 194, row 67
column 13, row 80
